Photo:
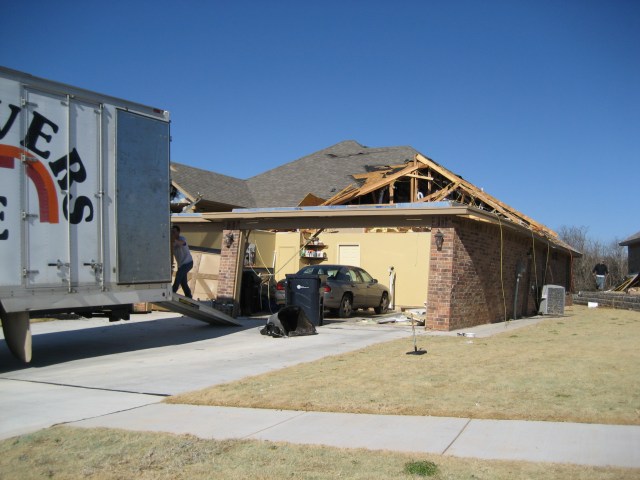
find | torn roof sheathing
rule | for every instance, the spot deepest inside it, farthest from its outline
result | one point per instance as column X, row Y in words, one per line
column 631, row 282
column 430, row 182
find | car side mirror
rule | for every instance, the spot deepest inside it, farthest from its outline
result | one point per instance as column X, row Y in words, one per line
column 375, row 280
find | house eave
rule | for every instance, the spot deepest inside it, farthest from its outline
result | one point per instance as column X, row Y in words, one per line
column 358, row 216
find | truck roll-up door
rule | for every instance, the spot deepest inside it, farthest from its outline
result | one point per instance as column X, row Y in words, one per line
column 142, row 199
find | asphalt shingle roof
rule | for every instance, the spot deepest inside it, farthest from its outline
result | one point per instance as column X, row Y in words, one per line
column 213, row 187
column 323, row 174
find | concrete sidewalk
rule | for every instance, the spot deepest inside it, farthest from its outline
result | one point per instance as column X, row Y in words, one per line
column 582, row 444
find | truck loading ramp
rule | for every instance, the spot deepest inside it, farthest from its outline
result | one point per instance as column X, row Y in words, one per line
column 192, row 308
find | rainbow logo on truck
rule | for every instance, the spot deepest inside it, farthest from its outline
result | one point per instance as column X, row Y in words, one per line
column 39, row 175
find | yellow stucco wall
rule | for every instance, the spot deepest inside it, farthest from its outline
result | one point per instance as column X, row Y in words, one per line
column 200, row 235
column 266, row 243
column 287, row 247
column 407, row 252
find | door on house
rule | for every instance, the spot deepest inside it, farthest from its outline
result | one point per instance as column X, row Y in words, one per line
column 287, row 261
column 349, row 255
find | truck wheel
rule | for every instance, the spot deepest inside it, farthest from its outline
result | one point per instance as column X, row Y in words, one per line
column 346, row 306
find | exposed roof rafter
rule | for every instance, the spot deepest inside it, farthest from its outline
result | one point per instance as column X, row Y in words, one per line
column 442, row 185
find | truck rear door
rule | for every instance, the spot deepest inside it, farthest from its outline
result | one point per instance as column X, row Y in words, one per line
column 142, row 199
column 61, row 191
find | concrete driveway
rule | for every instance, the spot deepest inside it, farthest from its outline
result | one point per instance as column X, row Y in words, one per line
column 89, row 367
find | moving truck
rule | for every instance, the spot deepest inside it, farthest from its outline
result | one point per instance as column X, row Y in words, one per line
column 84, row 204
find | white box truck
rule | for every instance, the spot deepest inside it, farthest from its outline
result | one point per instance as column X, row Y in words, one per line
column 84, row 203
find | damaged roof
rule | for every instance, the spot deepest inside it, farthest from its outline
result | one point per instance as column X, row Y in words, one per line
column 347, row 173
column 322, row 174
column 319, row 175
column 422, row 180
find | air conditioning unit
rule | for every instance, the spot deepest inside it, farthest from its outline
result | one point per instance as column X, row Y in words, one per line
column 552, row 301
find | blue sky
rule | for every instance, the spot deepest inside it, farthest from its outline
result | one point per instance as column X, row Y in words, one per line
column 537, row 102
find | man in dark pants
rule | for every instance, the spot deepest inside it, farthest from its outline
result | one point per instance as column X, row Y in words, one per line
column 184, row 261
column 600, row 272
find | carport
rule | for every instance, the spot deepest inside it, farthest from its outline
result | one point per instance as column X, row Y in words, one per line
column 472, row 269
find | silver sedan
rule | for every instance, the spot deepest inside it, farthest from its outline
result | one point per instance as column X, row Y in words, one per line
column 346, row 288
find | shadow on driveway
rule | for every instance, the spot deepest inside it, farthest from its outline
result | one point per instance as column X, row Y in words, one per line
column 50, row 348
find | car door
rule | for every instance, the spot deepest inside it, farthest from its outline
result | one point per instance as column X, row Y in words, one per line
column 370, row 288
column 357, row 287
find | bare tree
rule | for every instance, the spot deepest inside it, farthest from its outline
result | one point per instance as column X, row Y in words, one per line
column 613, row 255
column 618, row 264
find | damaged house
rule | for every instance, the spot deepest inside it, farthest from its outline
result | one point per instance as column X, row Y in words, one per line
column 465, row 255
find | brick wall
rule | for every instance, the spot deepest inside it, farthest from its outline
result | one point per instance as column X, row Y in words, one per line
column 466, row 277
column 609, row 299
column 472, row 280
column 228, row 273
column 439, row 306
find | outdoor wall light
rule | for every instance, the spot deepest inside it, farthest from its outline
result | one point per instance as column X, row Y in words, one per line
column 228, row 239
column 439, row 237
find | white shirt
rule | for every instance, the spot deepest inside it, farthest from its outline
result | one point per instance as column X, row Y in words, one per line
column 181, row 252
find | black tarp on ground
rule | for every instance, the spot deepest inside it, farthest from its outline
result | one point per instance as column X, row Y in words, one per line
column 290, row 321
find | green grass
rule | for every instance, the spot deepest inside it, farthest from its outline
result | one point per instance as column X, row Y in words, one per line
column 424, row 468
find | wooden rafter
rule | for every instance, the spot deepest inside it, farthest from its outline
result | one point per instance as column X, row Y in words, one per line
column 485, row 197
column 441, row 184
column 419, row 177
column 344, row 195
column 440, row 194
column 369, row 187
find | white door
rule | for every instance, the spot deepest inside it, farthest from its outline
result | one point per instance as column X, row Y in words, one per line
column 287, row 261
column 349, row 255
column 61, row 217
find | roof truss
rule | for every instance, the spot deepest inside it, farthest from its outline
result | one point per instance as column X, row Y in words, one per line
column 423, row 180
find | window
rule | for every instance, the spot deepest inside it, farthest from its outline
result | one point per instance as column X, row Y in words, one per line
column 353, row 276
column 366, row 277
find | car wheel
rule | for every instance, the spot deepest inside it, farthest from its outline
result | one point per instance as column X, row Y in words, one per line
column 346, row 306
column 384, row 304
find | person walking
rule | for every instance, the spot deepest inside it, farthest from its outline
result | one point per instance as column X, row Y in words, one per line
column 600, row 272
column 184, row 261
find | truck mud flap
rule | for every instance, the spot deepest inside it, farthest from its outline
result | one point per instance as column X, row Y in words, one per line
column 194, row 309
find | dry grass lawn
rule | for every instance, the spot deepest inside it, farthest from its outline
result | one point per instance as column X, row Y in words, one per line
column 582, row 367
column 74, row 453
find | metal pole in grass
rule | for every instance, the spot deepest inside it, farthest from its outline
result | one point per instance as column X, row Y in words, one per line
column 416, row 350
